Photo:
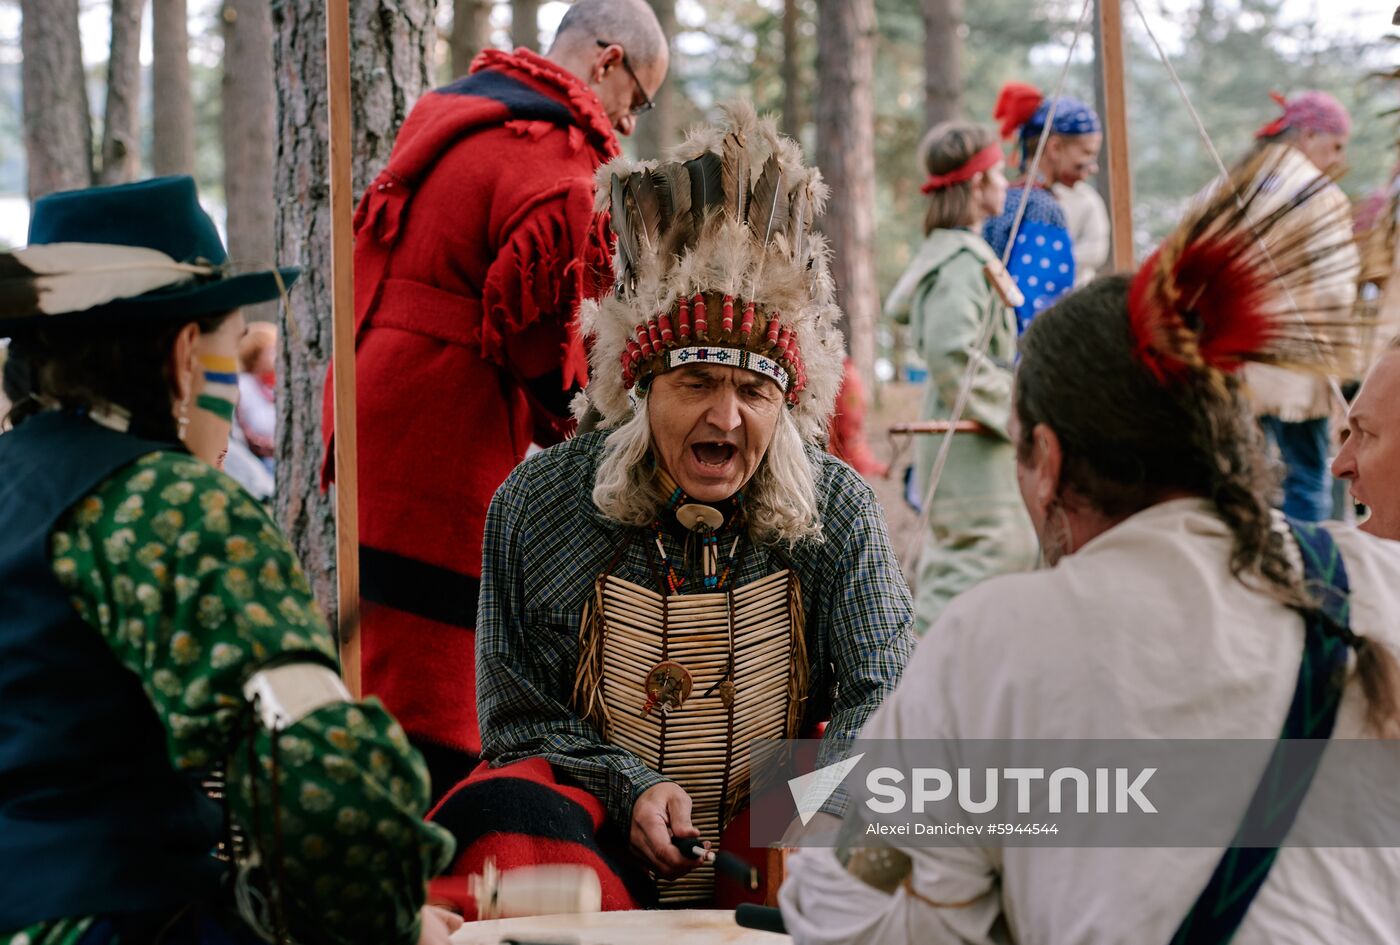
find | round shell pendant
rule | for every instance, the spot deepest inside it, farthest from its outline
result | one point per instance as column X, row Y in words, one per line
column 693, row 516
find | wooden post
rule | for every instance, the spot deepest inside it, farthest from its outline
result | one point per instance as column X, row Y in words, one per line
column 347, row 521
column 1115, row 121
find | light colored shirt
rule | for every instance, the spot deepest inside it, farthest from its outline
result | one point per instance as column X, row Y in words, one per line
column 1141, row 634
column 1089, row 230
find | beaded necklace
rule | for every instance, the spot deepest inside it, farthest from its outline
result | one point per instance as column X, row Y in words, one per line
column 705, row 523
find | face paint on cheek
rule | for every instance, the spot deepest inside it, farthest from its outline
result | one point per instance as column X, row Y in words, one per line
column 220, row 394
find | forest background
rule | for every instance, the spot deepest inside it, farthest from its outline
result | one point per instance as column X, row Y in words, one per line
column 233, row 91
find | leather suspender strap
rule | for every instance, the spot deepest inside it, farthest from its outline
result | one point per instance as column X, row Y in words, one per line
column 1216, row 915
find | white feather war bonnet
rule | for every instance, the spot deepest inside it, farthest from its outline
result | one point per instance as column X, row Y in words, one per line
column 717, row 262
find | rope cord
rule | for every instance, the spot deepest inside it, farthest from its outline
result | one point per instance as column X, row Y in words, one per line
column 984, row 339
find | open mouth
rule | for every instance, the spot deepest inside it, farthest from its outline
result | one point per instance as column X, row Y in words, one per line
column 713, row 455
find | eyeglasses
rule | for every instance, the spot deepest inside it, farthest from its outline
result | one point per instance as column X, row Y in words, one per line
column 647, row 103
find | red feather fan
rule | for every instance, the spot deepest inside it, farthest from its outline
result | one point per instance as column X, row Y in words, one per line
column 1237, row 281
column 1211, row 309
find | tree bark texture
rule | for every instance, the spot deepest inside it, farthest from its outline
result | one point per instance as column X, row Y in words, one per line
column 248, row 123
column 792, row 70
column 391, row 65
column 943, row 24
column 845, row 119
column 121, row 142
column 525, row 23
column 471, row 32
column 173, row 105
column 57, row 124
column 656, row 130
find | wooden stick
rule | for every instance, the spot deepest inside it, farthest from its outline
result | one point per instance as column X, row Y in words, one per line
column 347, row 519
column 1115, row 122
column 938, row 426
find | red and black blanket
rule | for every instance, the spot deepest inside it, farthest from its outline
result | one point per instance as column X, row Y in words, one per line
column 525, row 814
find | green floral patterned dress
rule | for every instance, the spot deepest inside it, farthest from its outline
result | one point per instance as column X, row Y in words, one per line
column 192, row 585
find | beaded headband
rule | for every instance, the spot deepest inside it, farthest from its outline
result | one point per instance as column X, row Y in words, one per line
column 661, row 344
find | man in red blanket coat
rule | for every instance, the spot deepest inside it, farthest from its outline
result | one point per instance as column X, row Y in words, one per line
column 473, row 247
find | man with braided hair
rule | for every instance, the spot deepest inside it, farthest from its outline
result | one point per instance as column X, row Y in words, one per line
column 1177, row 605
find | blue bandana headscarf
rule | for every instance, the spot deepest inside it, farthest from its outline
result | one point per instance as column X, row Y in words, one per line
column 1072, row 117
column 1021, row 107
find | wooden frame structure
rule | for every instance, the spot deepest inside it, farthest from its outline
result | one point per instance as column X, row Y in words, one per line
column 347, row 521
column 1112, row 64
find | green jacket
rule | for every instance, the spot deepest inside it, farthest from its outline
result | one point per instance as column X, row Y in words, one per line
column 944, row 297
column 977, row 526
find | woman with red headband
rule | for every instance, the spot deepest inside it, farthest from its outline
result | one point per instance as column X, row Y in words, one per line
column 977, row 527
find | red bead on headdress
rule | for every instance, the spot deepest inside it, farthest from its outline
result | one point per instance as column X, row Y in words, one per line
column 746, row 325
column 683, row 316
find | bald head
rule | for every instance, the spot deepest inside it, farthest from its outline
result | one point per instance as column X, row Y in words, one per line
column 618, row 49
column 629, row 23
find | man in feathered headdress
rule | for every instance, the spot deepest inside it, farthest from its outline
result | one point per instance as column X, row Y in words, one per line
column 1311, row 137
column 698, row 573
column 473, row 248
column 1043, row 259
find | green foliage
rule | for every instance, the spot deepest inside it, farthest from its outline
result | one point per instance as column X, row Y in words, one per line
column 1232, row 54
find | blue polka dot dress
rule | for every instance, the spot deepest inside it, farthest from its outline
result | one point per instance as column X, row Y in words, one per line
column 1042, row 261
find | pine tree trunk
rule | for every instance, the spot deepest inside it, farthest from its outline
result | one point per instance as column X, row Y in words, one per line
column 656, row 130
column 248, row 124
column 172, row 102
column 121, row 144
column 525, row 23
column 471, row 32
column 792, row 70
column 845, row 119
column 943, row 20
column 57, row 124
column 391, row 65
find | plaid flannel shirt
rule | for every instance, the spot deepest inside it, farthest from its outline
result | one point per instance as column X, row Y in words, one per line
column 545, row 545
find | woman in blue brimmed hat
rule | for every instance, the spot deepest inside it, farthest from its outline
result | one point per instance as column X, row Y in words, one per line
column 156, row 629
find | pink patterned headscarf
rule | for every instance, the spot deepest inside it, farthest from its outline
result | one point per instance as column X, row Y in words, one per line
column 1308, row 111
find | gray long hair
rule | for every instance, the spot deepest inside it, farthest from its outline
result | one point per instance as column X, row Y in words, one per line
column 780, row 500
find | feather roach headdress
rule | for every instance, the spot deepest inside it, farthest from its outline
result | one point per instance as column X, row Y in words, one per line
column 717, row 262
column 1246, row 276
